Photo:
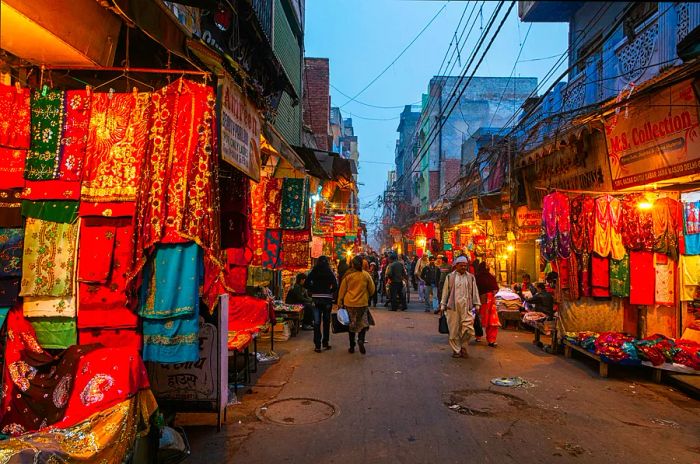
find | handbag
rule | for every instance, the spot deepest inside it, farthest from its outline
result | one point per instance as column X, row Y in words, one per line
column 370, row 318
column 336, row 326
column 343, row 316
column 478, row 329
column 442, row 324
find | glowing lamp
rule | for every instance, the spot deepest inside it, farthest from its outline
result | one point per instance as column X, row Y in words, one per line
column 510, row 248
column 645, row 205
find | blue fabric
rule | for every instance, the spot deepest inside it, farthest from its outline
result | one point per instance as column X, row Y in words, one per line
column 3, row 315
column 170, row 304
column 692, row 244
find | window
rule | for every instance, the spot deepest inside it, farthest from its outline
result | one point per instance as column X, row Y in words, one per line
column 636, row 16
column 590, row 51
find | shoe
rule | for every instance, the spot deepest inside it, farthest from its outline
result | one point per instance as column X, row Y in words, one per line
column 464, row 353
column 427, row 310
column 307, row 327
column 477, row 340
column 456, row 355
column 493, row 345
column 437, row 311
column 351, row 349
column 317, row 350
column 362, row 348
column 327, row 347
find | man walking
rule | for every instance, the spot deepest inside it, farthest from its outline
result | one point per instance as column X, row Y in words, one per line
column 431, row 277
column 445, row 269
column 459, row 295
column 396, row 274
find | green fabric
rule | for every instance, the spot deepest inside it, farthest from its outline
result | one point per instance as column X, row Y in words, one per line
column 55, row 332
column 259, row 277
column 54, row 211
column 43, row 158
column 295, row 203
column 3, row 315
column 620, row 277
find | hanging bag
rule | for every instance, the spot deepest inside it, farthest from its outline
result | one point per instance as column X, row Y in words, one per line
column 442, row 324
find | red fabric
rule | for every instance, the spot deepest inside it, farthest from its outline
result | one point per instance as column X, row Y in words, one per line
column 273, row 203
column 75, row 135
column 106, row 298
column 112, row 338
column 15, row 113
column 642, row 278
column 39, row 190
column 239, row 256
column 236, row 279
column 107, row 209
column 247, row 313
column 600, row 276
column 12, row 168
column 258, row 207
column 636, row 225
column 257, row 243
column 296, row 249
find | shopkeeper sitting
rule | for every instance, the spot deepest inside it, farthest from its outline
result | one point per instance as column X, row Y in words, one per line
column 298, row 295
column 542, row 301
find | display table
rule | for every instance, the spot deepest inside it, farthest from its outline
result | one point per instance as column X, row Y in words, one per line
column 292, row 313
column 568, row 353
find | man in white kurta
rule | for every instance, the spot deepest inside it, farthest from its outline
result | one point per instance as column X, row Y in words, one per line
column 459, row 296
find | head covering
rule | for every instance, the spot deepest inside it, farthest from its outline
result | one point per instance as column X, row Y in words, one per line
column 461, row 259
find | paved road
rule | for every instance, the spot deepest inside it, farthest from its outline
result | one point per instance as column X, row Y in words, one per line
column 393, row 406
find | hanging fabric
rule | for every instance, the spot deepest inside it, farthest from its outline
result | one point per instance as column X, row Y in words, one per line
column 15, row 110
column 642, row 278
column 43, row 159
column 273, row 203
column 620, row 277
column 690, row 277
column 600, row 276
column 11, row 251
column 12, row 168
column 608, row 239
column 556, row 239
column 11, row 208
column 691, row 221
column 637, row 226
column 665, row 280
column 294, row 203
column 668, row 224
column 582, row 223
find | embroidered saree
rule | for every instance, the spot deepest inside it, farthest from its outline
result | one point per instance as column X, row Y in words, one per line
column 296, row 249
column 665, row 280
column 43, row 159
column 48, row 264
column 273, row 203
column 582, row 223
column 556, row 239
column 11, row 208
column 294, row 203
column 15, row 114
column 620, row 277
column 11, row 250
column 12, row 168
column 258, row 207
column 636, row 225
column 667, row 217
column 272, row 249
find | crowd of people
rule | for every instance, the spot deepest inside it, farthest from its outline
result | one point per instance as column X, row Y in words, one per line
column 464, row 291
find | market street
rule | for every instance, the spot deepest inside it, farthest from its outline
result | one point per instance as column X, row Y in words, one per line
column 393, row 405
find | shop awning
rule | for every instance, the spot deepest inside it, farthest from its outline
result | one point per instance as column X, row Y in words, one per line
column 282, row 147
column 311, row 158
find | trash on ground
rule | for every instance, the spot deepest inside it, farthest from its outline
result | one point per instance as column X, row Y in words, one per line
column 511, row 382
column 666, row 423
column 270, row 357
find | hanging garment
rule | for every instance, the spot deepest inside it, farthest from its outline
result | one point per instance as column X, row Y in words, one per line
column 48, row 263
column 115, row 147
column 112, row 338
column 12, row 168
column 234, row 197
column 294, row 203
column 9, row 291
column 54, row 211
column 637, row 226
column 272, row 249
column 11, row 208
column 608, row 240
column 642, row 277
column 620, row 277
column 15, row 110
column 49, row 306
column 106, row 298
column 556, row 240
column 179, row 197
column 258, row 207
column 690, row 277
column 11, row 251
column 55, row 333
column 691, row 221
column 584, row 265
column 665, row 280
column 573, row 283
column 170, row 304
column 668, row 226
column 273, row 203
column 296, row 249
column 600, row 276
column 582, row 223
column 38, row 384
column 44, row 157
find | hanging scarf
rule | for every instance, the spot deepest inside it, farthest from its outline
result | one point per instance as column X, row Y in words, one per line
column 296, row 249
column 43, row 159
column 294, row 203
column 582, row 223
column 273, row 203
column 258, row 207
column 272, row 249
column 11, row 251
column 115, row 147
column 620, row 277
column 15, row 110
column 667, row 218
column 54, row 211
column 665, row 280
column 556, row 238
column 636, row 226
column 12, row 165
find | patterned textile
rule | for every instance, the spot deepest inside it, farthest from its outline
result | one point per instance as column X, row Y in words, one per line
column 115, row 147
column 600, row 276
column 43, row 159
column 48, row 263
column 258, row 207
column 38, row 384
column 15, row 104
column 75, row 135
column 179, row 197
column 272, row 249
column 636, row 225
column 246, row 313
column 170, row 304
column 691, row 219
column 257, row 243
column 259, row 277
column 690, row 277
column 665, row 280
column 11, row 208
column 111, row 337
column 54, row 211
column 582, row 223
column 11, row 250
column 296, row 249
column 273, row 203
column 556, row 240
column 9, row 291
column 620, row 277
column 49, row 306
column 642, row 277
column 55, row 333
column 608, row 239
column 12, row 167
column 294, row 203
column 574, row 283
column 668, row 225
column 234, row 191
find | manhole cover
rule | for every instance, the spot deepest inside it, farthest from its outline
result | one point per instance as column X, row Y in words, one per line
column 483, row 403
column 296, row 411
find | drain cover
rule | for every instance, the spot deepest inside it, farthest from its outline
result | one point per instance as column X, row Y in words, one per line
column 296, row 411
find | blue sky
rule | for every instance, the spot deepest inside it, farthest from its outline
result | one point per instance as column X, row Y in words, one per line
column 361, row 37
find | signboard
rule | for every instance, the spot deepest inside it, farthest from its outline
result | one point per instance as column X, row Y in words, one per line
column 655, row 138
column 205, row 380
column 529, row 222
column 240, row 129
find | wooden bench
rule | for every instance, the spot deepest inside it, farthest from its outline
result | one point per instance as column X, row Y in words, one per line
column 568, row 352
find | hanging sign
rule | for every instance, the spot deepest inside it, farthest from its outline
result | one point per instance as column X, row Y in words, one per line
column 240, row 129
column 655, row 138
column 529, row 222
column 339, row 225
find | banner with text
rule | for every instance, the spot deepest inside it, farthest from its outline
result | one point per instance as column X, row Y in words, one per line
column 655, row 138
column 240, row 129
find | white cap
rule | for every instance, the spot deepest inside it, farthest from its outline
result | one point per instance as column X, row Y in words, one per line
column 461, row 259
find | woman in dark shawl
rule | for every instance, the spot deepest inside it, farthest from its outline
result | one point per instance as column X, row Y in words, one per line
column 488, row 286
